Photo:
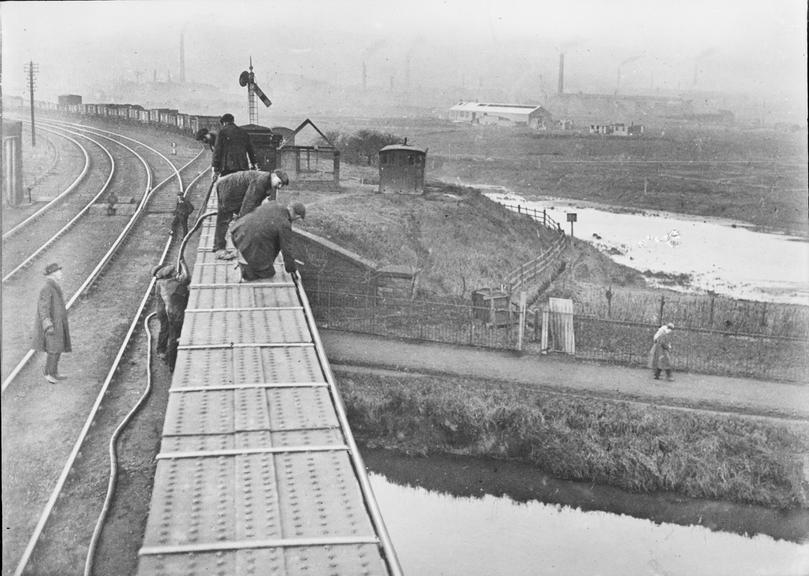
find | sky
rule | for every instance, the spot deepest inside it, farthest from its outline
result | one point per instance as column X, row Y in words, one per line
column 748, row 46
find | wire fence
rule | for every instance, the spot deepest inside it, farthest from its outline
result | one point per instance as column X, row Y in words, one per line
column 596, row 338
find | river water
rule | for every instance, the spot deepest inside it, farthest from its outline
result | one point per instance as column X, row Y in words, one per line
column 452, row 516
column 728, row 258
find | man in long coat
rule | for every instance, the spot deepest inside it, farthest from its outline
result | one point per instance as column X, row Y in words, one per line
column 172, row 299
column 240, row 193
column 233, row 150
column 261, row 234
column 182, row 210
column 51, row 330
column 660, row 354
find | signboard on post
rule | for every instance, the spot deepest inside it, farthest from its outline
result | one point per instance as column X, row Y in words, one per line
column 571, row 217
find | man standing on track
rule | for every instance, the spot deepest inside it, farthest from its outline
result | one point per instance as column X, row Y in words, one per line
column 172, row 298
column 239, row 194
column 51, row 330
column 261, row 234
column 233, row 150
column 182, row 210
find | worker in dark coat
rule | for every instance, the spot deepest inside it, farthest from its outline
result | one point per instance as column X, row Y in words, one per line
column 172, row 298
column 261, row 234
column 182, row 210
column 51, row 330
column 233, row 150
column 240, row 193
column 206, row 137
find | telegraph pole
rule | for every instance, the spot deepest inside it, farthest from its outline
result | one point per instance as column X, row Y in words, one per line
column 32, row 70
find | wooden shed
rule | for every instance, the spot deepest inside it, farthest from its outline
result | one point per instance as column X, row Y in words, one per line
column 401, row 169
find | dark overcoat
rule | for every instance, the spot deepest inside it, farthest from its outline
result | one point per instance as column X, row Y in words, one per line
column 232, row 150
column 51, row 312
column 262, row 233
column 244, row 191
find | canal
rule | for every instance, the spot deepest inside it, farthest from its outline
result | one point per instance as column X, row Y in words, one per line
column 460, row 516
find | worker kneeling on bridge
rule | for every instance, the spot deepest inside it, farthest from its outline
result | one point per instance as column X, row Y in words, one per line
column 172, row 298
column 261, row 234
column 239, row 194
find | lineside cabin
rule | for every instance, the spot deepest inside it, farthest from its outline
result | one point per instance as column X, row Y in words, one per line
column 401, row 169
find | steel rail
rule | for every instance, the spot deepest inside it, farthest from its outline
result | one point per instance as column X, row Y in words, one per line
column 95, row 273
column 85, row 429
column 113, row 479
column 369, row 499
column 62, row 194
column 76, row 218
column 95, row 130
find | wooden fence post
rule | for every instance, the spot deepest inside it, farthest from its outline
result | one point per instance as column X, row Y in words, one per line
column 521, row 327
column 660, row 315
column 491, row 307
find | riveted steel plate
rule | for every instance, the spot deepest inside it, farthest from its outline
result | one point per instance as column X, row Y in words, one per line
column 251, row 440
column 242, row 296
column 228, row 411
column 321, row 496
column 253, row 458
column 352, row 560
column 252, row 326
column 233, row 366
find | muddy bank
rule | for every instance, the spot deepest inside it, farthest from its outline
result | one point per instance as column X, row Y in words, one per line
column 638, row 448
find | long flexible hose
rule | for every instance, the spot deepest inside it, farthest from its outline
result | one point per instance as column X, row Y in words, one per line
column 88, row 565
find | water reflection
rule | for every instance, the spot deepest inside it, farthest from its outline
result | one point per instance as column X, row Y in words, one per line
column 729, row 259
column 461, row 516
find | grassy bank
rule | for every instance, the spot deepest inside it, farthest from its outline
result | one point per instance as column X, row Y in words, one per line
column 643, row 449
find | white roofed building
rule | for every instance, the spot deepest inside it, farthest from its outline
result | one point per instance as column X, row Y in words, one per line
column 532, row 116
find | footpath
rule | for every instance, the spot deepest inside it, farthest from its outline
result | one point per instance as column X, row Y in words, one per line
column 555, row 372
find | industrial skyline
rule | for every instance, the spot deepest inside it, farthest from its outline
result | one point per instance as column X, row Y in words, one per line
column 452, row 48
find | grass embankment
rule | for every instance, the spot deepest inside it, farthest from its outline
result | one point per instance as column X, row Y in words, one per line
column 457, row 239
column 638, row 448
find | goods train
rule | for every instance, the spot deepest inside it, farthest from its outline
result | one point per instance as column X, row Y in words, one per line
column 165, row 118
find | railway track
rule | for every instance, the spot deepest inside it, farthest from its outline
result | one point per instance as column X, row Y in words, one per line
column 86, row 242
column 40, row 421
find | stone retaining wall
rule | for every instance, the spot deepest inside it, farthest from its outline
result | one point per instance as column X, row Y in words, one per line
column 330, row 267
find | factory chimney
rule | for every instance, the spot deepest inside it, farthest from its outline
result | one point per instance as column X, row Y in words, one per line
column 182, row 58
column 561, row 88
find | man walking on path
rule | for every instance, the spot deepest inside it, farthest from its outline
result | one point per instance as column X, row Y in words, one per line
column 51, row 330
column 660, row 354
column 241, row 193
column 233, row 150
column 172, row 298
column 261, row 234
column 182, row 210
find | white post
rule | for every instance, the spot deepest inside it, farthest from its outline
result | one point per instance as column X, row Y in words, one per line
column 521, row 329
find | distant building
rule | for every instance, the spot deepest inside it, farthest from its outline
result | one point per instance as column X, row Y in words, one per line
column 535, row 117
column 617, row 129
column 401, row 169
